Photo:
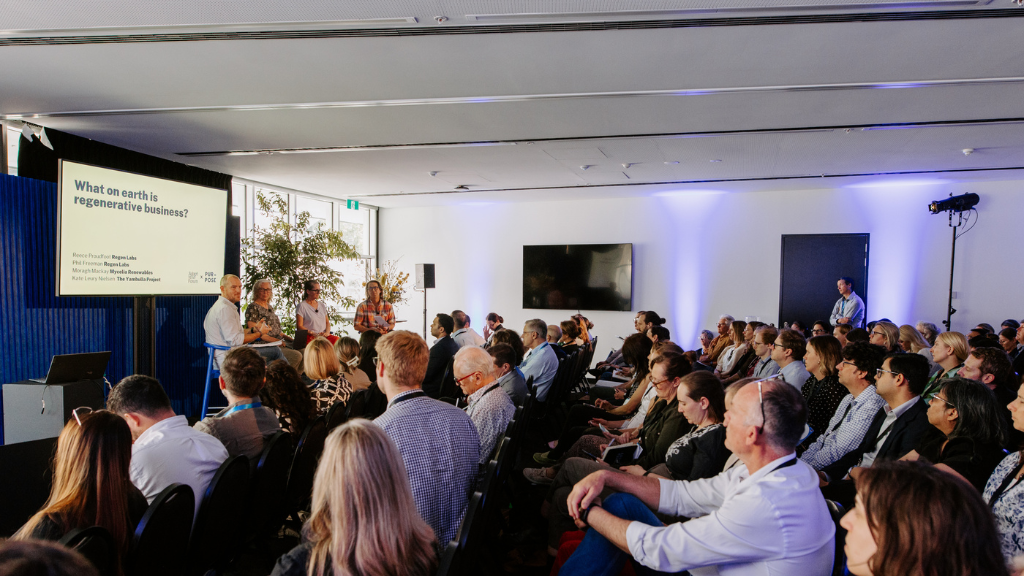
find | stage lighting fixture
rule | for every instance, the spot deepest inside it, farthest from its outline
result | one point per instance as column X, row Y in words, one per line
column 954, row 203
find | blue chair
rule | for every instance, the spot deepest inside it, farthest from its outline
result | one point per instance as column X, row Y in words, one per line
column 210, row 373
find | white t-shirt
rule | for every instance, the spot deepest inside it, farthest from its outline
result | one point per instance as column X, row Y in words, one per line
column 313, row 319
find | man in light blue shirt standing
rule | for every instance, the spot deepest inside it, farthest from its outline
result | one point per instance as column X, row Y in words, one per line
column 850, row 308
column 788, row 352
column 540, row 362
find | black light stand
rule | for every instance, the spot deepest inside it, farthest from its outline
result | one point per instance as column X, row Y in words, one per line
column 958, row 205
column 952, row 263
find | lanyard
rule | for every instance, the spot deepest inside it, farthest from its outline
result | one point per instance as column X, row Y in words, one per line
column 241, row 407
column 409, row 396
column 1006, row 483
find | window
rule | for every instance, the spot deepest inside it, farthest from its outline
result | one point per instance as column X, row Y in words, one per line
column 13, row 138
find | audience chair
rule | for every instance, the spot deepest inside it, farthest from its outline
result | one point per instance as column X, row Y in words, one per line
column 268, row 485
column 839, row 564
column 449, row 389
column 210, row 373
column 336, row 415
column 160, row 543
column 217, row 533
column 444, row 567
column 97, row 545
column 303, row 468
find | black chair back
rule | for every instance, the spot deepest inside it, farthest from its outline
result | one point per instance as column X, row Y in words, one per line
column 836, row 511
column 161, row 539
column 268, row 486
column 449, row 389
column 336, row 415
column 218, row 530
column 97, row 545
column 307, row 456
column 470, row 533
column 446, row 567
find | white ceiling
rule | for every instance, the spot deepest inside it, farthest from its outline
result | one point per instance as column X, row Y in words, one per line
column 514, row 113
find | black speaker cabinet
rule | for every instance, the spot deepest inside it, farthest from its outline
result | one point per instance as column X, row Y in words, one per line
column 33, row 411
column 424, row 276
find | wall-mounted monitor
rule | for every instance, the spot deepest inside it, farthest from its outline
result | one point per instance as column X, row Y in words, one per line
column 124, row 234
column 578, row 277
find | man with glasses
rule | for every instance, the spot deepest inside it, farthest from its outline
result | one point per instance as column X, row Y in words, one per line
column 260, row 311
column 223, row 324
column 850, row 424
column 764, row 340
column 488, row 406
column 895, row 430
column 766, row 516
column 788, row 352
column 540, row 361
column 375, row 313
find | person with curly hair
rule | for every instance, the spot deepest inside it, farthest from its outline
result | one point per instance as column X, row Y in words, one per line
column 287, row 395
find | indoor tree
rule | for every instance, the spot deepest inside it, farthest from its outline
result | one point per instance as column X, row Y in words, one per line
column 289, row 254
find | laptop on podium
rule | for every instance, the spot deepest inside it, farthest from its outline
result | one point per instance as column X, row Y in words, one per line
column 67, row 368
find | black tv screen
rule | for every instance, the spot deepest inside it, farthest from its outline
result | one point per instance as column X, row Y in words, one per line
column 578, row 277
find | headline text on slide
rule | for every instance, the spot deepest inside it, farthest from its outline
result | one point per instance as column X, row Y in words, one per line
column 125, row 203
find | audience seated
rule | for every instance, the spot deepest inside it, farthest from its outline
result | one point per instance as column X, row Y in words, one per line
column 635, row 350
column 165, row 450
column 510, row 337
column 992, row 367
column 720, row 342
column 913, row 342
column 764, row 339
column 766, row 516
column 887, row 335
column 949, row 352
column 788, row 352
column 224, row 328
column 438, row 442
column 323, row 368
column 464, row 334
column 658, row 333
column 288, row 396
column 858, row 335
column 1004, row 491
column 488, row 406
column 363, row 518
column 245, row 423
column 553, row 338
column 855, row 414
column 441, row 353
column 347, row 350
column 313, row 316
column 541, row 361
column 41, row 558
column 569, row 341
column 822, row 391
column 929, row 331
column 1018, row 359
column 840, row 332
column 903, row 525
column 730, row 356
column 367, row 352
column 820, row 328
column 615, row 359
column 749, row 357
column 967, row 433
column 1008, row 342
column 508, row 375
column 92, row 483
column 260, row 313
column 492, row 323
column 897, row 428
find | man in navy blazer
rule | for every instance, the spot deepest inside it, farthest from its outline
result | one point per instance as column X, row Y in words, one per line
column 895, row 431
column 441, row 353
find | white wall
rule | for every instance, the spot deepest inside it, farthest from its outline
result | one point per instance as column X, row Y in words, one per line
column 701, row 254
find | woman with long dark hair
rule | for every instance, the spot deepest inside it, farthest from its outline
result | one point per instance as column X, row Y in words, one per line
column 91, row 482
column 288, row 397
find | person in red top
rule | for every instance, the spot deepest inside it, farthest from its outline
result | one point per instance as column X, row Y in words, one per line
column 374, row 306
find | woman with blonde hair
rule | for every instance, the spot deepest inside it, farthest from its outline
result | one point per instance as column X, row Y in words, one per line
column 914, row 342
column 363, row 519
column 91, row 482
column 949, row 352
column 322, row 367
column 347, row 350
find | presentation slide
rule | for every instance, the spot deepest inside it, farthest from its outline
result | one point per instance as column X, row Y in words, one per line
column 123, row 234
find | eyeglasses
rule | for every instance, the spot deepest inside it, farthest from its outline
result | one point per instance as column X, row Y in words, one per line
column 760, row 396
column 879, row 372
column 317, row 290
column 662, row 381
column 817, row 332
column 81, row 410
column 873, row 333
column 376, row 359
column 459, row 380
column 941, row 399
column 850, row 363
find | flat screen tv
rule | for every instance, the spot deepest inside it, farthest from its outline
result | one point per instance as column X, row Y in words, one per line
column 578, row 277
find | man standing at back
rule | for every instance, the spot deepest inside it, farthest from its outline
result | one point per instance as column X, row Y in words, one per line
column 540, row 361
column 464, row 334
column 850, row 308
column 438, row 442
column 246, row 422
column 441, row 353
column 165, row 450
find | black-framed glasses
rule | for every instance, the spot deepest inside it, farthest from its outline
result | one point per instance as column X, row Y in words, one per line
column 848, row 362
column 79, row 412
column 818, row 332
column 880, row 371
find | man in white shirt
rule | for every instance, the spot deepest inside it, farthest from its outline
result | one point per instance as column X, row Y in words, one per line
column 464, row 334
column 223, row 324
column 766, row 516
column 540, row 362
column 165, row 450
column 788, row 352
